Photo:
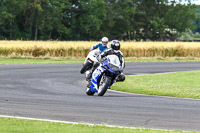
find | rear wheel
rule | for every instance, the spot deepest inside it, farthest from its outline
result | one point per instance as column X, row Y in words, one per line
column 86, row 67
column 103, row 85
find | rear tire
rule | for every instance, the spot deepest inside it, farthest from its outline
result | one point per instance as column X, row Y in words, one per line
column 86, row 67
column 103, row 88
column 89, row 92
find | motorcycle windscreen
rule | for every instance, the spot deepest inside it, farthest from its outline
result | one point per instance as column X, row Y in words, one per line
column 113, row 59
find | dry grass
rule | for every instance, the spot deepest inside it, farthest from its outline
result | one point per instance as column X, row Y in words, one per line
column 161, row 49
column 80, row 49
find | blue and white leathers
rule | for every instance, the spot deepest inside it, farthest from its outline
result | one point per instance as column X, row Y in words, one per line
column 100, row 46
column 110, row 68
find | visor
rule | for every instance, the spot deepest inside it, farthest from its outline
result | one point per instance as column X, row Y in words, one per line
column 104, row 43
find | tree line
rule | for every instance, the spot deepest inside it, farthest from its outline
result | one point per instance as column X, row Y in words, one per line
column 93, row 19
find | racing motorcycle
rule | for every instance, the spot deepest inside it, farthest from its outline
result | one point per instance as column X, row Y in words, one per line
column 104, row 75
column 89, row 61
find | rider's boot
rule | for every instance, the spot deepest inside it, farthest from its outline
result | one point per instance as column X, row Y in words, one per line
column 88, row 75
column 89, row 83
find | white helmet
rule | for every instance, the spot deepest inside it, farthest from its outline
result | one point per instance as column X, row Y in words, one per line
column 104, row 41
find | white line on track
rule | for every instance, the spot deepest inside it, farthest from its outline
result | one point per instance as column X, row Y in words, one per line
column 76, row 123
column 67, row 122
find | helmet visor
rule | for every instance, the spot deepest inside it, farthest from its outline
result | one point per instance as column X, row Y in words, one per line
column 104, row 43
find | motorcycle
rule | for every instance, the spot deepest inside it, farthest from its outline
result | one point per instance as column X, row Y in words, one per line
column 104, row 76
column 89, row 61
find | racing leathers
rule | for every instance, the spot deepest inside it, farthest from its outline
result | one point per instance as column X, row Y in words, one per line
column 118, row 53
column 100, row 46
column 115, row 52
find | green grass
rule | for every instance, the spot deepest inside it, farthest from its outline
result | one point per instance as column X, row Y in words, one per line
column 179, row 84
column 160, row 59
column 74, row 60
column 38, row 61
column 12, row 125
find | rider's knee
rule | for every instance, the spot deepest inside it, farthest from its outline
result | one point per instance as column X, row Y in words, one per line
column 121, row 78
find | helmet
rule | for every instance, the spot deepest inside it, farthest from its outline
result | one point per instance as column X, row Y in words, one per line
column 104, row 41
column 115, row 45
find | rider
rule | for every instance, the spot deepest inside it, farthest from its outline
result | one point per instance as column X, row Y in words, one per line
column 103, row 45
column 115, row 49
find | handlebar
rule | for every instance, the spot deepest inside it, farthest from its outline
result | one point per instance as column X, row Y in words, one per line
column 101, row 59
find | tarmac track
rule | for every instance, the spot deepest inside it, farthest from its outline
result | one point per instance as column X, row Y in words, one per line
column 57, row 92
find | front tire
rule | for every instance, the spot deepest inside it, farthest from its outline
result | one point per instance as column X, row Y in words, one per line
column 103, row 85
column 86, row 67
column 89, row 92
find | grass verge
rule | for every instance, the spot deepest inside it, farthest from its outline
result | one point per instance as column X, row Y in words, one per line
column 10, row 125
column 38, row 61
column 81, row 60
column 179, row 84
column 160, row 59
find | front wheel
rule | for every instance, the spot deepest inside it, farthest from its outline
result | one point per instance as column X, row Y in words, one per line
column 86, row 67
column 89, row 92
column 103, row 85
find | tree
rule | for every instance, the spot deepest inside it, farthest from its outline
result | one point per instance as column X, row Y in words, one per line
column 197, row 21
column 154, row 17
column 120, row 17
column 8, row 15
column 182, row 18
column 93, row 19
column 53, row 18
column 86, row 19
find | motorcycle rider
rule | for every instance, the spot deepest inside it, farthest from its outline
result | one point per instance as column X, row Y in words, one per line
column 115, row 49
column 103, row 45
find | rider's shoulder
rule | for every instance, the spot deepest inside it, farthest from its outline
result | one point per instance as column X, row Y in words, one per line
column 121, row 52
column 99, row 43
column 118, row 51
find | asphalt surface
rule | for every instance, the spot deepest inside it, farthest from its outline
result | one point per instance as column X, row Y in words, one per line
column 57, row 92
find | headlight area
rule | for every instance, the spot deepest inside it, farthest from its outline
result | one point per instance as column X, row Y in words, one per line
column 113, row 67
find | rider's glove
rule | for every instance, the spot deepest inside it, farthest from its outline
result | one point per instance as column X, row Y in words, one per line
column 100, row 59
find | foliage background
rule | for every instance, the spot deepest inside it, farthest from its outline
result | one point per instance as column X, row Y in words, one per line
column 93, row 19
